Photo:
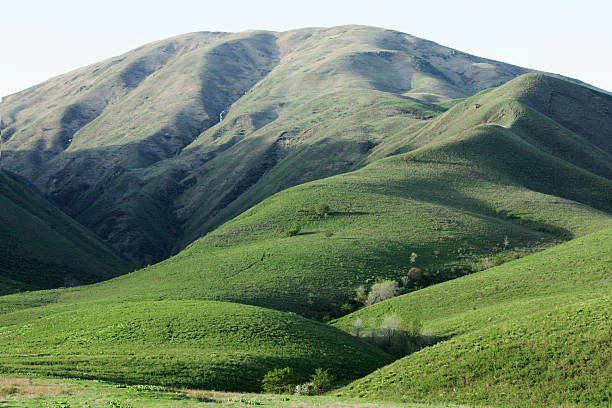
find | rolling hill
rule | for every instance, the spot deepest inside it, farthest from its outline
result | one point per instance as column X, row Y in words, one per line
column 42, row 248
column 218, row 149
column 532, row 332
column 134, row 148
column 209, row 345
column 478, row 183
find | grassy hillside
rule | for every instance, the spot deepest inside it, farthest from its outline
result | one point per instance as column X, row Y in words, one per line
column 210, row 345
column 134, row 147
column 479, row 183
column 40, row 247
column 532, row 332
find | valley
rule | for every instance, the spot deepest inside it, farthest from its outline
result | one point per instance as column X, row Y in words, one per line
column 206, row 209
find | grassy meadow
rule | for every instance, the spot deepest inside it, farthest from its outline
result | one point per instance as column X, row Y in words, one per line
column 350, row 156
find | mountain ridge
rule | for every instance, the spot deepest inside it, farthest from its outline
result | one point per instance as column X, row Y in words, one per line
column 157, row 108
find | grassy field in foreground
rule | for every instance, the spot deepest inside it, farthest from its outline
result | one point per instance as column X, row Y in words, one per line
column 532, row 331
column 196, row 344
column 20, row 392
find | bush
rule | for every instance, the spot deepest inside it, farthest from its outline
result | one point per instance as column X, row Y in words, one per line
column 279, row 381
column 361, row 294
column 294, row 230
column 415, row 274
column 305, row 389
column 322, row 380
column 321, row 209
column 382, row 291
column 486, row 263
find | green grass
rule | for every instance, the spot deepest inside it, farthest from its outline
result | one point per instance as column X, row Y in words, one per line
column 505, row 173
column 132, row 147
column 210, row 345
column 477, row 184
column 72, row 393
column 532, row 332
column 40, row 247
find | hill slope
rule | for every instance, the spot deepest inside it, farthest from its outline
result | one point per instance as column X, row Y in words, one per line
column 479, row 187
column 43, row 248
column 210, row 345
column 534, row 332
column 132, row 147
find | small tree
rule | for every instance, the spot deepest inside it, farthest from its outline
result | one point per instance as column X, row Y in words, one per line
column 486, row 263
column 415, row 274
column 279, row 381
column 357, row 325
column 389, row 325
column 361, row 294
column 322, row 380
column 294, row 230
column 321, row 209
column 382, row 291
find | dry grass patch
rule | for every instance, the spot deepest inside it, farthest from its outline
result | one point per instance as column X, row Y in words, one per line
column 32, row 388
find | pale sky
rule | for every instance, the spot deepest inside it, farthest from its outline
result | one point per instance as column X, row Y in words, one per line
column 43, row 38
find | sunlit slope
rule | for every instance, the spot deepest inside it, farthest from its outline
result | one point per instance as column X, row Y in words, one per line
column 208, row 345
column 41, row 247
column 532, row 332
column 467, row 194
column 133, row 148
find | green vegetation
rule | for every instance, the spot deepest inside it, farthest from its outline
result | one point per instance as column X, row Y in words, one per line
column 210, row 345
column 430, row 216
column 40, row 247
column 279, row 381
column 473, row 191
column 530, row 332
column 322, row 209
column 71, row 393
column 134, row 147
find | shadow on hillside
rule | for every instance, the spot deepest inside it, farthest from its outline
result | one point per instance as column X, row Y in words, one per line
column 348, row 213
column 400, row 342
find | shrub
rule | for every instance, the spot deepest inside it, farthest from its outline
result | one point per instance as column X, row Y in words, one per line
column 415, row 274
column 361, row 294
column 329, row 234
column 382, row 291
column 321, row 209
column 501, row 258
column 279, row 381
column 346, row 308
column 486, row 263
column 294, row 230
column 305, row 389
column 322, row 380
column 357, row 325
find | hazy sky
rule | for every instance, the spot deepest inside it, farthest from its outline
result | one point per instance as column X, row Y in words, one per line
column 41, row 39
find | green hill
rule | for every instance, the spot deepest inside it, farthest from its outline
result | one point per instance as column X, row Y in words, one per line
column 219, row 148
column 532, row 332
column 210, row 345
column 133, row 147
column 480, row 187
column 40, row 247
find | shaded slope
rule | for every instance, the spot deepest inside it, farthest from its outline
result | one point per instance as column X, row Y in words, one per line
column 43, row 248
column 479, row 186
column 209, row 345
column 531, row 332
column 107, row 140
